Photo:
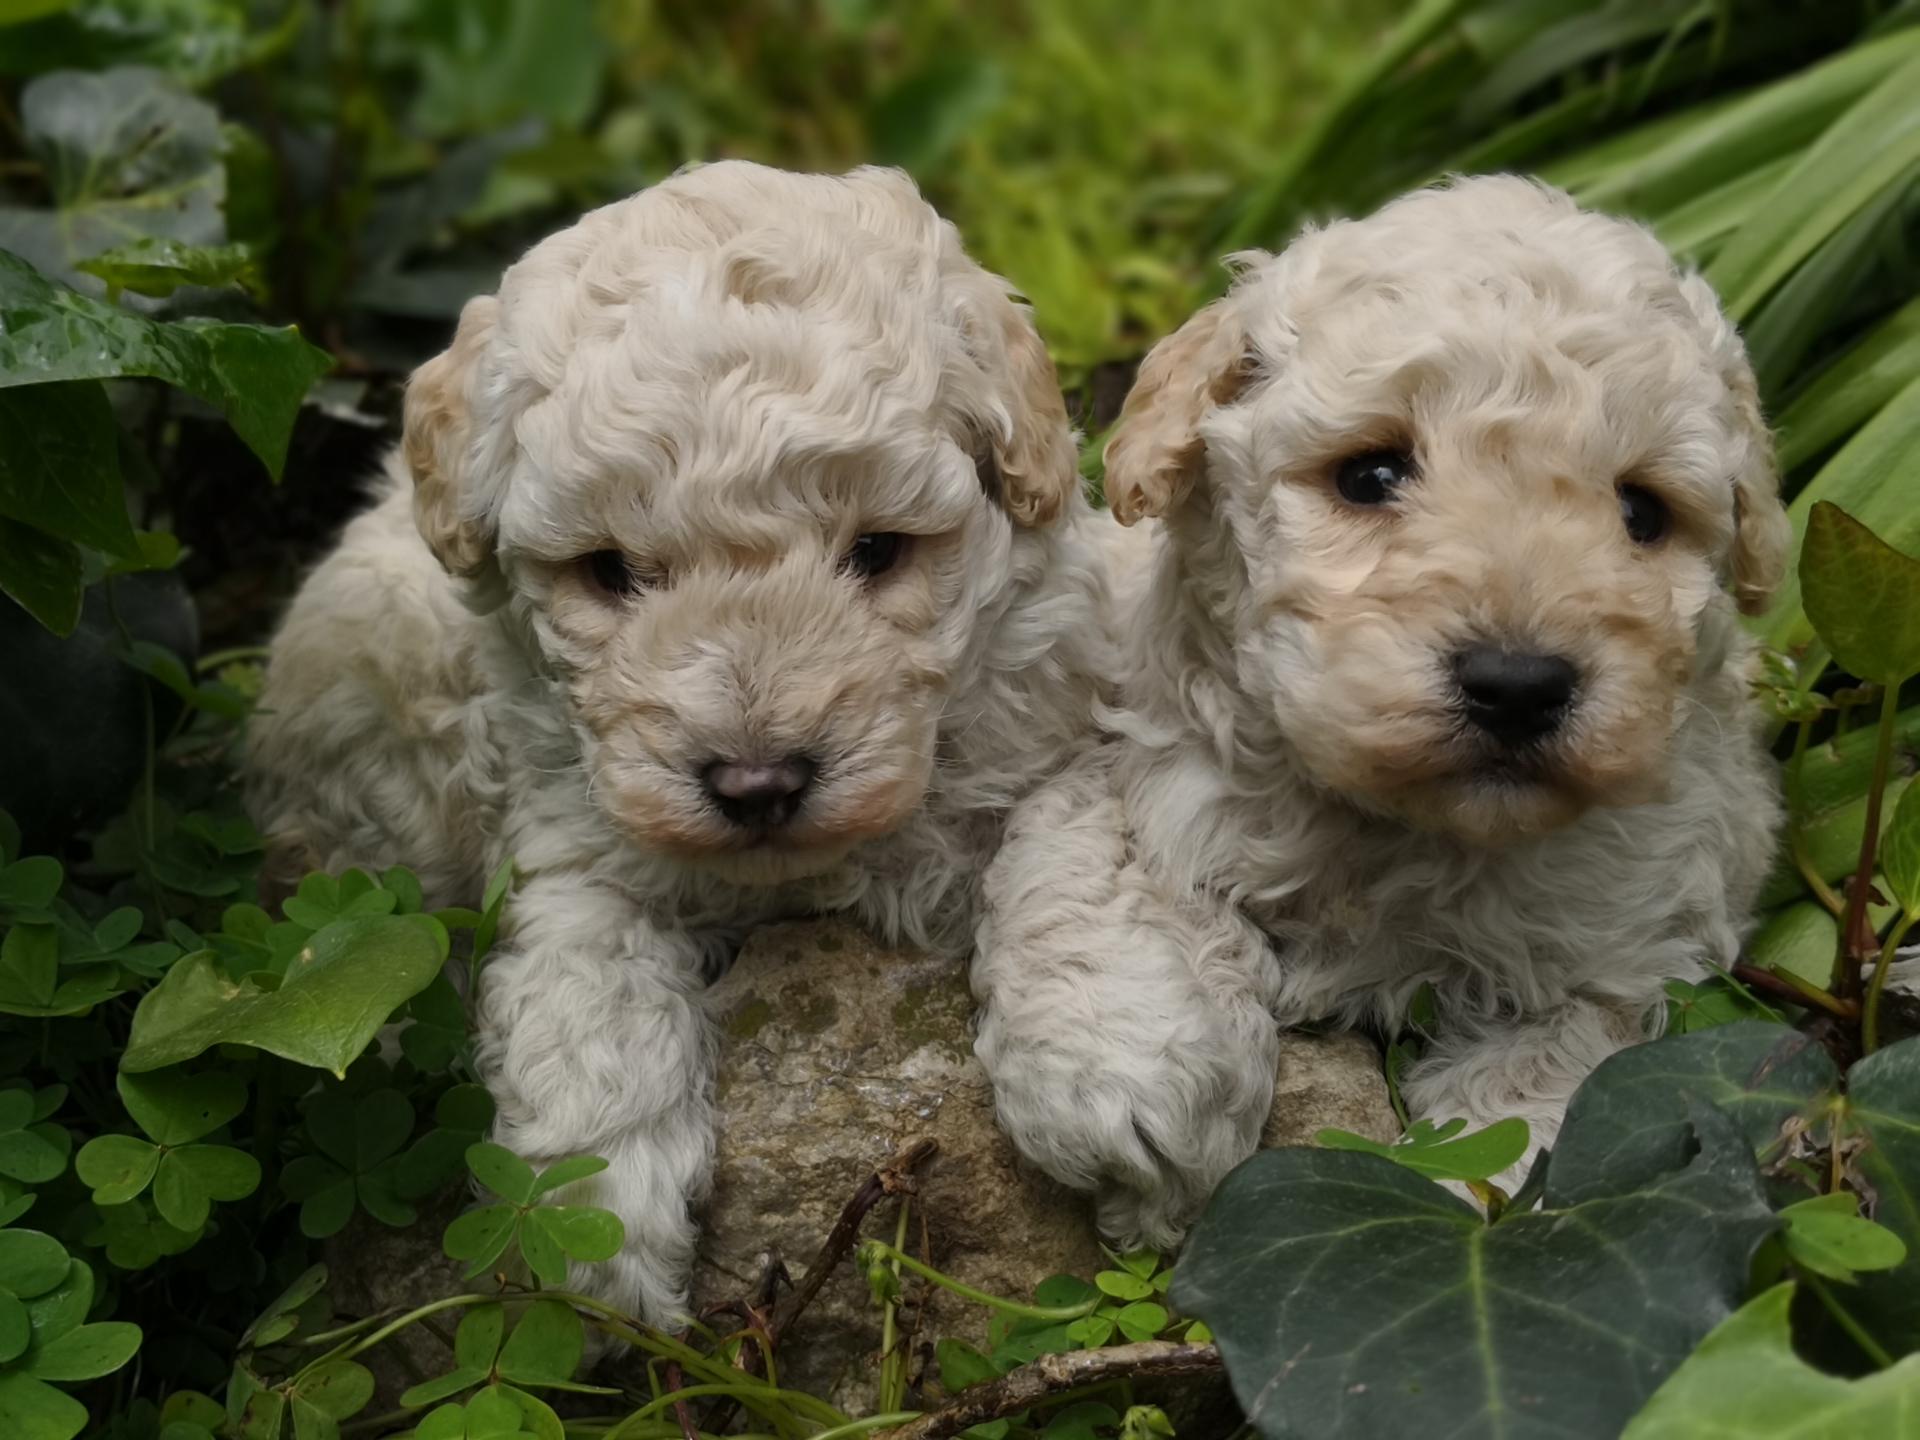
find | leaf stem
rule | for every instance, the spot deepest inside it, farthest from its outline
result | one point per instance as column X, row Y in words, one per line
column 879, row 1250
column 1869, row 1346
column 893, row 1368
column 1855, row 936
column 1870, row 1011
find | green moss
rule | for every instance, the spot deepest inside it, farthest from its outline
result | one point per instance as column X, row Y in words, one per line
column 749, row 1019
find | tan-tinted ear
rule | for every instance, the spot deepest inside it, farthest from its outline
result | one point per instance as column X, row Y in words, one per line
column 437, row 440
column 1155, row 455
column 1039, row 467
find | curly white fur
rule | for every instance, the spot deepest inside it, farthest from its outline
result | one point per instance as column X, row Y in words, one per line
column 726, row 378
column 1293, row 819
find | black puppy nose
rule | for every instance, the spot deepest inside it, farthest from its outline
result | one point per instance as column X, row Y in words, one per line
column 758, row 793
column 1515, row 698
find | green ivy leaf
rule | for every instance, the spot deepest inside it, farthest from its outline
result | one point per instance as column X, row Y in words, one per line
column 60, row 470
column 174, row 1108
column 1746, row 1380
column 1630, row 1120
column 1435, row 1152
column 255, row 376
column 117, row 1167
column 1882, row 1110
column 44, row 577
column 1471, row 1334
column 1862, row 596
column 156, row 266
column 336, row 994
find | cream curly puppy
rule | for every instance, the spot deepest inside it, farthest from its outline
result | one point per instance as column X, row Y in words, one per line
column 735, row 566
column 1438, row 679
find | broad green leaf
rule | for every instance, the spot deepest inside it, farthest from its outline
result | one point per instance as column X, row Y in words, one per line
column 30, row 1156
column 174, row 1109
column 502, row 1172
column 449, row 1422
column 1831, row 843
column 492, row 1413
column 1715, row 1002
column 1351, row 1297
column 31, row 1263
column 1862, row 596
column 1826, row 1235
column 255, row 376
column 545, row 1347
column 117, row 1167
column 127, row 153
column 33, row 1410
column 1745, row 1380
column 86, row 1353
column 1883, row 1109
column 1438, row 1155
column 30, row 884
column 41, row 575
column 60, row 467
column 1629, row 1121
column 336, row 994
column 1851, row 163
column 156, row 266
column 566, row 1172
column 1799, row 939
column 1900, row 852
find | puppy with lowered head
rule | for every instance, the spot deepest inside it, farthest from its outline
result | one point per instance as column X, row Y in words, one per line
column 1438, row 680
column 734, row 566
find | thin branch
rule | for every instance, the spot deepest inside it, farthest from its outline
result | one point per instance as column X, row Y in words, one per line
column 1032, row 1383
column 887, row 1180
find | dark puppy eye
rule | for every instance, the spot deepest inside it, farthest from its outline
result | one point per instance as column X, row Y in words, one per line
column 874, row 554
column 1645, row 515
column 613, row 572
column 1373, row 478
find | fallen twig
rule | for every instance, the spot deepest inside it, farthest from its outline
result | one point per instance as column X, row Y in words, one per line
column 1050, row 1374
column 887, row 1180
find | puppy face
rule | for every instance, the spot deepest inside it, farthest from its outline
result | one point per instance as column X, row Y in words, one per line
column 1474, row 471
column 746, row 452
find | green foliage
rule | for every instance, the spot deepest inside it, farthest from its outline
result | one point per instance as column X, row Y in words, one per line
column 1673, row 1166
column 548, row 1235
column 1746, row 1380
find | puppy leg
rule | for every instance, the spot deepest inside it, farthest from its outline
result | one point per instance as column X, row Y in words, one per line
column 592, row 1041
column 1483, row 1069
column 1129, row 1045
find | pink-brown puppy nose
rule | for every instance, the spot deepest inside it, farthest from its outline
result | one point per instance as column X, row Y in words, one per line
column 759, row 794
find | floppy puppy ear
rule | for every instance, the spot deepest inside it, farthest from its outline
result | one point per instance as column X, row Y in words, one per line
column 1763, row 536
column 1035, row 465
column 1156, row 455
column 437, row 443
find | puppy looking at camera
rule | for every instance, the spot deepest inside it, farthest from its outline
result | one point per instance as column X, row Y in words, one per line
column 1438, row 680
column 735, row 565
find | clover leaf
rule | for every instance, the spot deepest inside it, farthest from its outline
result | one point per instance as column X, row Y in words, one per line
column 358, row 1138
column 45, row 1296
column 174, row 1110
column 548, row 1235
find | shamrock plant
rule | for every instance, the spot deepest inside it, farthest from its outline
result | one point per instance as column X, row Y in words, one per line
column 175, row 1111
column 548, row 1234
